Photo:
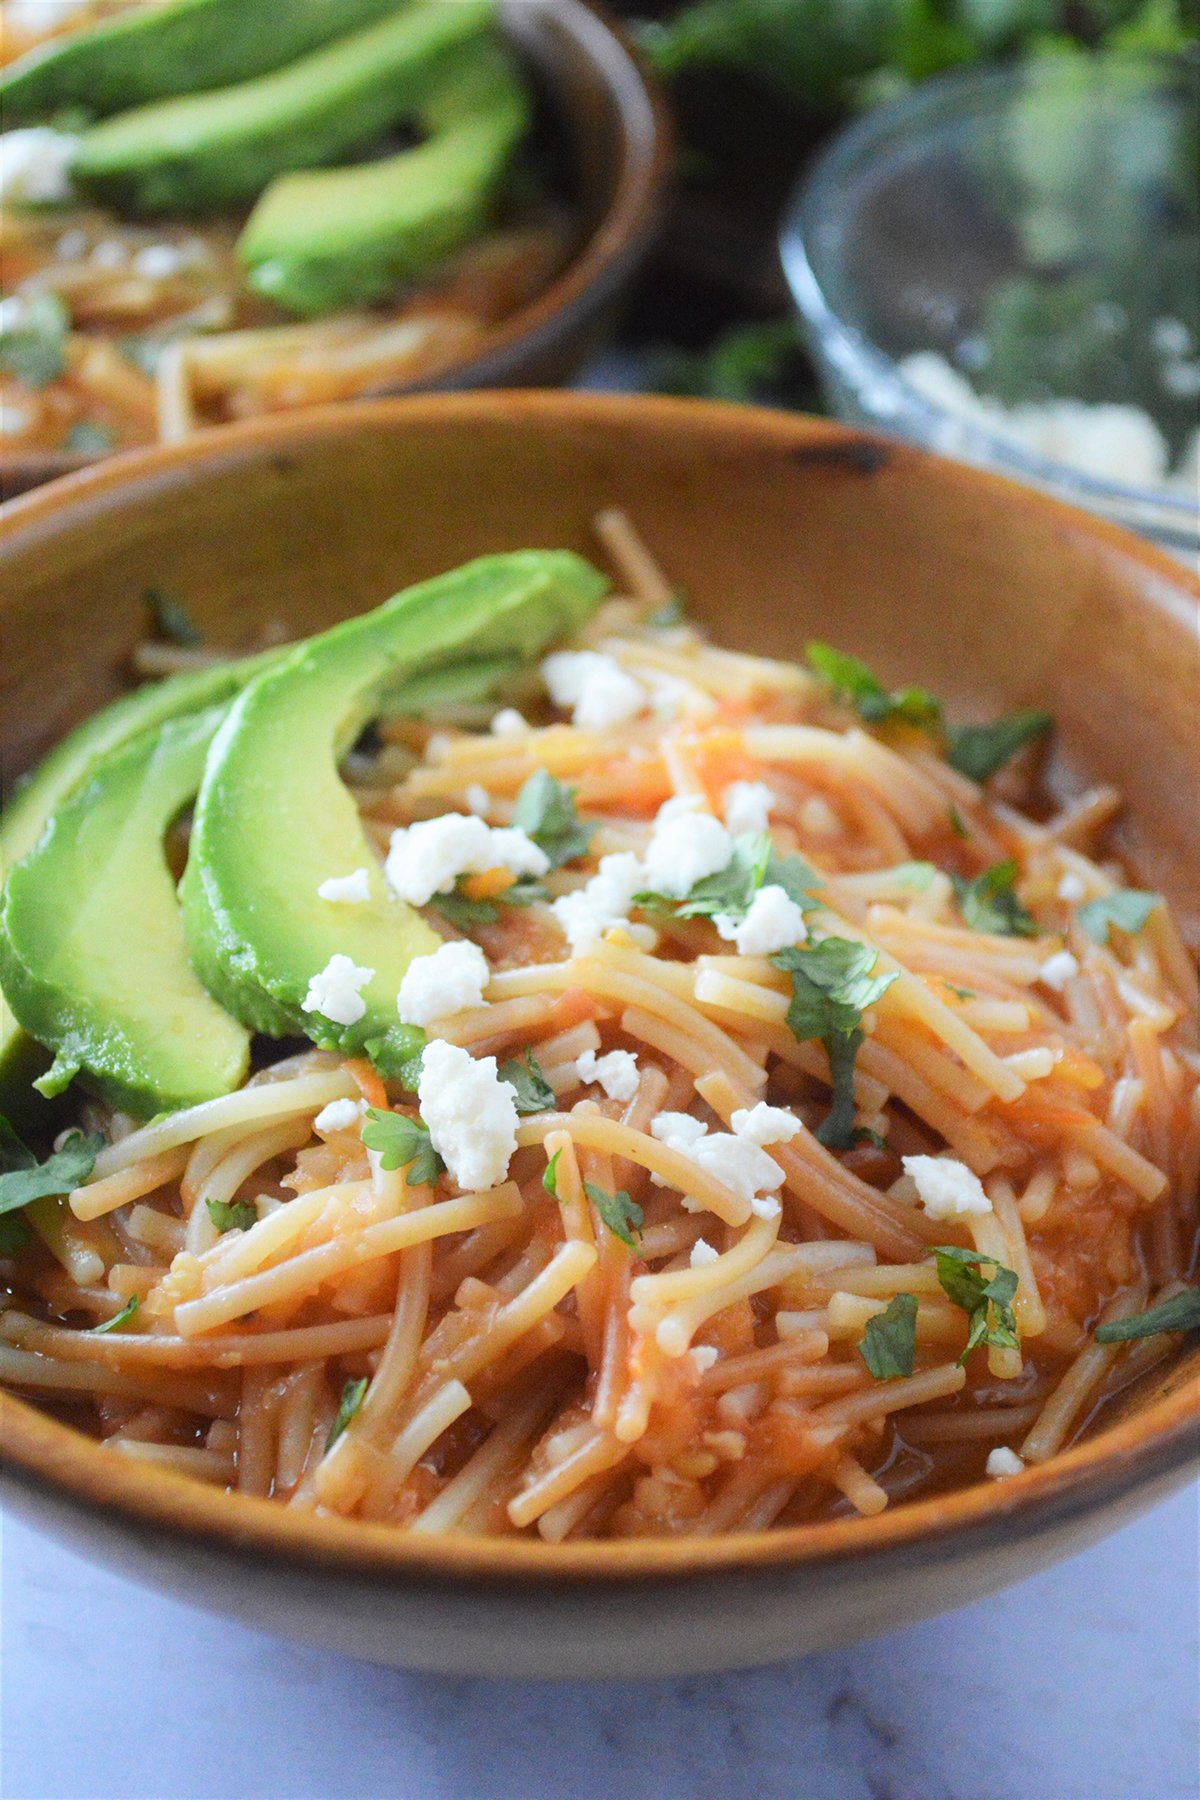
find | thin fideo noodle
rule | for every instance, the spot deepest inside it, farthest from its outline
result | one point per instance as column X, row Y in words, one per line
column 625, row 1336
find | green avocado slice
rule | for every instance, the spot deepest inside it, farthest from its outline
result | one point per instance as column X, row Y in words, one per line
column 92, row 950
column 147, row 53
column 274, row 820
column 329, row 239
column 221, row 148
column 55, row 779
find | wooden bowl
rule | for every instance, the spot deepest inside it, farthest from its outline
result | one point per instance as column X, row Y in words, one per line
column 778, row 527
column 611, row 120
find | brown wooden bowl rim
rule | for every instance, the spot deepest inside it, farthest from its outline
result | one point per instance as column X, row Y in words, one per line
column 610, row 252
column 42, row 1456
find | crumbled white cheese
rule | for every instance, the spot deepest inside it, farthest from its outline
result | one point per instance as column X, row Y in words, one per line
column 617, row 1073
column 737, row 1163
column 34, row 166
column 508, row 722
column 38, row 16
column 1003, row 1462
column 158, row 262
column 702, row 1254
column 677, row 1130
column 427, row 858
column 452, row 977
column 346, row 890
column 947, row 1188
column 684, row 848
column 479, row 801
column 470, row 1112
column 339, row 1115
column 602, row 903
column 670, row 697
column 1071, row 888
column 765, row 1206
column 595, row 686
column 762, row 1124
column 703, row 1357
column 773, row 922
column 748, row 806
column 1171, row 337
column 1058, row 969
column 335, row 991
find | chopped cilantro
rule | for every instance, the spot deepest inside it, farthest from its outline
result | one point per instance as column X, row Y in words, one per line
column 987, row 1301
column 1126, row 908
column 465, row 913
column 832, row 986
column 173, row 620
column 351, row 1400
column 989, row 903
column 534, row 1093
column 890, row 1343
column 1180, row 1313
column 753, row 864
column 852, row 681
column 23, row 1178
column 232, row 1215
column 88, row 439
column 34, row 348
column 545, row 810
column 622, row 1215
column 958, row 824
column 979, row 750
column 862, row 1134
column 402, row 1143
column 119, row 1318
column 550, row 1177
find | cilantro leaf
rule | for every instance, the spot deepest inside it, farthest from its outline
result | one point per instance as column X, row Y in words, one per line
column 753, row 864
column 852, row 681
column 622, row 1215
column 464, row 912
column 34, row 348
column 1126, row 908
column 832, row 986
column 550, row 1177
column 989, row 903
column 958, row 824
column 545, row 811
column 402, row 1143
column 890, row 1343
column 987, row 1301
column 15, row 1235
column 533, row 1091
column 979, row 750
column 88, row 439
column 118, row 1319
column 351, row 1400
column 1180, row 1313
column 173, row 620
column 797, row 880
column 232, row 1215
column 24, row 1179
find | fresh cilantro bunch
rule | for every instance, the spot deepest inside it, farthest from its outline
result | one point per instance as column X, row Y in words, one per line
column 833, row 984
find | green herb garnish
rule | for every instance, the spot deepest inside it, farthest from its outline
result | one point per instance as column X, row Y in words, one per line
column 979, row 750
column 668, row 614
column 832, row 986
column 622, row 1215
column 989, row 903
column 466, row 913
column 173, row 620
column 351, row 1400
column 232, row 1215
column 958, row 824
column 545, row 811
column 914, row 875
column 1126, row 908
column 402, row 1143
column 853, row 682
column 550, row 1176
column 34, row 349
column 88, row 439
column 23, row 1178
column 1180, row 1313
column 890, row 1343
column 754, row 864
column 534, row 1093
column 118, row 1319
column 988, row 1301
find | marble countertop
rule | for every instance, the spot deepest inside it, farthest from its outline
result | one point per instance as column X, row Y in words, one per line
column 1080, row 1684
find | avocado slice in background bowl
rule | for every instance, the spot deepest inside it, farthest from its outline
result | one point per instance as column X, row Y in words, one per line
column 223, row 147
column 328, row 239
column 148, row 53
column 274, row 819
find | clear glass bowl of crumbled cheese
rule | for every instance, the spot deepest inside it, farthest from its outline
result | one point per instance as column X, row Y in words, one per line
column 1004, row 265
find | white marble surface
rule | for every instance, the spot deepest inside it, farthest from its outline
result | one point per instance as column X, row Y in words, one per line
column 1078, row 1685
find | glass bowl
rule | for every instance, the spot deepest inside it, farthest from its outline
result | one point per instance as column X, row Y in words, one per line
column 1004, row 266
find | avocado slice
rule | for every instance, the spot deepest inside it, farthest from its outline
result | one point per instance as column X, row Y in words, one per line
column 92, row 950
column 273, row 820
column 55, row 779
column 220, row 148
column 147, row 53
column 321, row 241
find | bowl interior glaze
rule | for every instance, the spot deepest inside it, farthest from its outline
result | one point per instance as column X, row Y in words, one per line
column 777, row 528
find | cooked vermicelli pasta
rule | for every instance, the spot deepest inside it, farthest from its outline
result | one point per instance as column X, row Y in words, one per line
column 784, row 1130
